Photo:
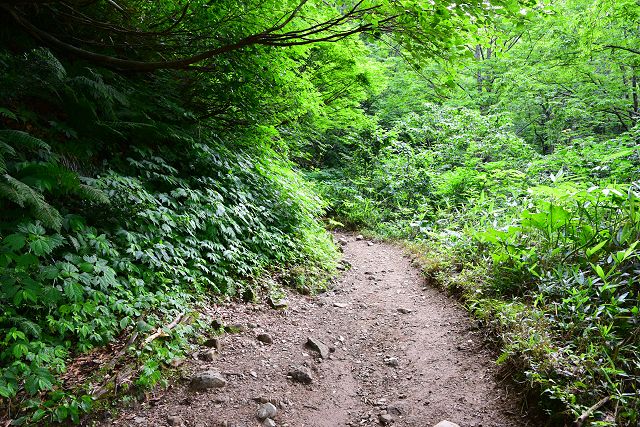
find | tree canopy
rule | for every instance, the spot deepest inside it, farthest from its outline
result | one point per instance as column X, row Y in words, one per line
column 142, row 36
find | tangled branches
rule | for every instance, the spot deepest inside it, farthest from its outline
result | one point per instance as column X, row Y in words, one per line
column 134, row 36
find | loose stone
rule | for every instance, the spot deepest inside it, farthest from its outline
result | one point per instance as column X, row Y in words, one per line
column 265, row 338
column 175, row 420
column 385, row 419
column 318, row 346
column 207, row 379
column 301, row 375
column 213, row 343
column 207, row 355
column 267, row 410
column 269, row 423
column 391, row 361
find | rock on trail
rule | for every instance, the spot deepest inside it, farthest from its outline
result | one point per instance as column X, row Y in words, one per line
column 319, row 346
column 207, row 379
column 389, row 350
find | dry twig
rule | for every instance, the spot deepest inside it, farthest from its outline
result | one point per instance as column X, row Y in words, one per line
column 161, row 332
column 586, row 414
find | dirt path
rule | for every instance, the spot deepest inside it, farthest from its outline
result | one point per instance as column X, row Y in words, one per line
column 400, row 348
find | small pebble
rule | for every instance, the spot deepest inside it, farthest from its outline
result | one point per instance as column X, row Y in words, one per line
column 385, row 419
column 175, row 420
column 391, row 361
column 208, row 355
column 266, row 410
column 265, row 338
column 301, row 375
column 207, row 379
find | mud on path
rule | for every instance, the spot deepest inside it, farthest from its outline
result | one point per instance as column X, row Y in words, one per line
column 401, row 348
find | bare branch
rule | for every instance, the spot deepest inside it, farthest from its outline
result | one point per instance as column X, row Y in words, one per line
column 278, row 27
column 628, row 49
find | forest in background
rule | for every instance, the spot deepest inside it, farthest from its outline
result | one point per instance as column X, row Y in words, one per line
column 156, row 157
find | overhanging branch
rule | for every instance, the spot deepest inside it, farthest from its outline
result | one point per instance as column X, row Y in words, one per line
column 628, row 49
column 331, row 30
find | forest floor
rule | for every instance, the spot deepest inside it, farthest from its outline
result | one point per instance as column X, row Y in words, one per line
column 398, row 352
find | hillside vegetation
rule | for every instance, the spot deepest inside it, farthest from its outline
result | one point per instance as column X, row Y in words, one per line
column 156, row 157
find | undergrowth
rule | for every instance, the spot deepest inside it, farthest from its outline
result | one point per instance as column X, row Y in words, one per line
column 119, row 213
column 543, row 248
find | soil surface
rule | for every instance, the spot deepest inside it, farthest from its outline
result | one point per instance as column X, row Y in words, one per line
column 401, row 353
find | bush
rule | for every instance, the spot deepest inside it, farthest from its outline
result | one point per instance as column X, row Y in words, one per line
column 110, row 231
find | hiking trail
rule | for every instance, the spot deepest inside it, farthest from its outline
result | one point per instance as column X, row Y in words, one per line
column 396, row 352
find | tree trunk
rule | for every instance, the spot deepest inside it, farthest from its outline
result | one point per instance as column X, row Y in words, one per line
column 479, row 56
column 635, row 114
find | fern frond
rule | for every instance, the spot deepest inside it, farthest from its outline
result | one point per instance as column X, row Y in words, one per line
column 46, row 61
column 8, row 192
column 99, row 90
column 49, row 175
column 132, row 126
column 6, row 149
column 15, row 138
column 93, row 194
column 21, row 194
column 8, row 113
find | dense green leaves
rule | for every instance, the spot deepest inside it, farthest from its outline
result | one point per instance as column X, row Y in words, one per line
column 503, row 136
column 93, row 242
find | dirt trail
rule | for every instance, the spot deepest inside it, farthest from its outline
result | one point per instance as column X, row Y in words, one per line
column 400, row 347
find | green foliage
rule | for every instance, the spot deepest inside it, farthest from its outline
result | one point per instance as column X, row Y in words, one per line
column 516, row 166
column 542, row 247
column 440, row 158
column 127, row 199
column 577, row 255
column 91, row 243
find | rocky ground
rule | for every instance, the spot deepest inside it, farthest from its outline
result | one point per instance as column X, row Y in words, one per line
column 381, row 348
